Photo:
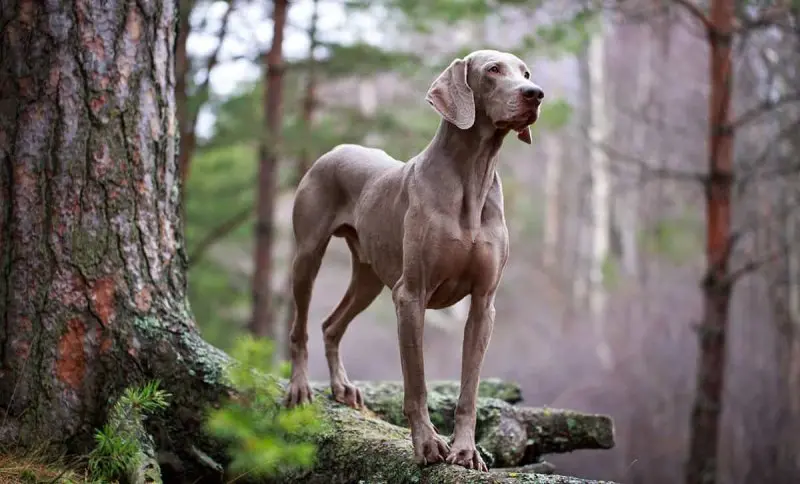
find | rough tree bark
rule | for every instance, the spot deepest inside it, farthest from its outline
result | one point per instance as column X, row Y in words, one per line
column 262, row 323
column 701, row 467
column 92, row 297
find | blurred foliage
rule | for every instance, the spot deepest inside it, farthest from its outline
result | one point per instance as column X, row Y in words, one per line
column 264, row 437
column 338, row 61
column 423, row 15
column 555, row 115
column 677, row 238
column 568, row 36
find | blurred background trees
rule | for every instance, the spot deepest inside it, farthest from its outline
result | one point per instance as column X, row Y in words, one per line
column 642, row 220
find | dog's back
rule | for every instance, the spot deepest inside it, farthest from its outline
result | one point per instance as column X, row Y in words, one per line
column 349, row 167
column 338, row 177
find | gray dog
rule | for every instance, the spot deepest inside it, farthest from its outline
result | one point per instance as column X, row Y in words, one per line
column 432, row 230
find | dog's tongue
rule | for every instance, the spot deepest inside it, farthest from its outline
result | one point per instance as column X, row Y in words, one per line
column 524, row 135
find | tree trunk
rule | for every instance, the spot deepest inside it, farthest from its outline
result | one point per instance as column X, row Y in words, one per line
column 554, row 160
column 600, row 204
column 187, row 118
column 94, row 288
column 703, row 442
column 626, row 198
column 580, row 269
column 263, row 323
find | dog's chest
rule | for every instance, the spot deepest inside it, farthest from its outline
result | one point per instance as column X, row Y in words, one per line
column 462, row 259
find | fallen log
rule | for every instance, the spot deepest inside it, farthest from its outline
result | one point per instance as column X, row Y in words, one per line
column 355, row 447
column 511, row 435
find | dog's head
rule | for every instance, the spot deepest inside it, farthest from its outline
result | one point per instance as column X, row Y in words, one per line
column 495, row 85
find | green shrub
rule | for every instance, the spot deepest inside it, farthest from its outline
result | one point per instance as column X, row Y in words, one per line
column 264, row 438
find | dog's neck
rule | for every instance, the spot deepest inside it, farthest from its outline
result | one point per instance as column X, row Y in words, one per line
column 469, row 157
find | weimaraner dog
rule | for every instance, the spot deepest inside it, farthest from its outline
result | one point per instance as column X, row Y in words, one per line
column 432, row 230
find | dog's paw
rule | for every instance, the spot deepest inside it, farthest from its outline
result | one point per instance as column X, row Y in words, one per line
column 299, row 393
column 348, row 394
column 430, row 448
column 466, row 456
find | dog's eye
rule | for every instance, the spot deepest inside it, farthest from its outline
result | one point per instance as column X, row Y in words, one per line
column 527, row 75
column 494, row 69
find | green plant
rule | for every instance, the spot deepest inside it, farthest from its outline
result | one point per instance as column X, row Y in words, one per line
column 264, row 438
column 118, row 444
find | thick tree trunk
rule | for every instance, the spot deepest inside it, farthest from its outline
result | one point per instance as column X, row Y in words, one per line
column 704, row 438
column 263, row 323
column 93, row 281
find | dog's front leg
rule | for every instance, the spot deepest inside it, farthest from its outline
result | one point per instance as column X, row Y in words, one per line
column 410, row 307
column 477, row 333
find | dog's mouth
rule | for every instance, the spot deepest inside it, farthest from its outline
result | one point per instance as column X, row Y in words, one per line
column 521, row 122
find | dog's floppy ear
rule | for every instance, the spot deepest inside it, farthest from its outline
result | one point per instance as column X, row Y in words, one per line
column 451, row 96
column 525, row 135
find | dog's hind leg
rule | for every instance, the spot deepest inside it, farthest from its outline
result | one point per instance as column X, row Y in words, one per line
column 364, row 287
column 312, row 227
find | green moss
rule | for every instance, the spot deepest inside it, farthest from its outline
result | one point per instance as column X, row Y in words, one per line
column 149, row 325
column 358, row 448
column 208, row 359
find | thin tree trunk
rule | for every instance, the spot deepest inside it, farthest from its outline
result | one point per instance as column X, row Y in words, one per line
column 626, row 204
column 704, row 433
column 552, row 199
column 580, row 269
column 263, row 323
column 93, row 290
column 600, row 199
column 304, row 159
column 187, row 118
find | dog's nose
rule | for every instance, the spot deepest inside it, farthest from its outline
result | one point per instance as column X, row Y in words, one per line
column 533, row 92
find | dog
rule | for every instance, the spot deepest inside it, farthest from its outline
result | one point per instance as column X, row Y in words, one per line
column 432, row 230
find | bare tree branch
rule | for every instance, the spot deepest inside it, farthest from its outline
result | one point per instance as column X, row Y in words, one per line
column 771, row 18
column 754, row 265
column 652, row 171
column 756, row 173
column 764, row 108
